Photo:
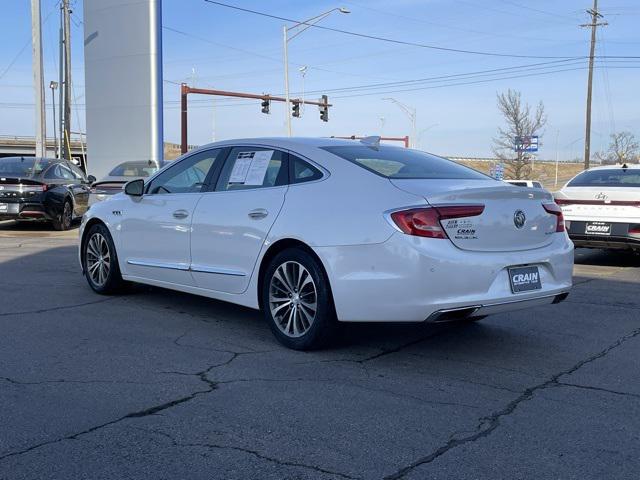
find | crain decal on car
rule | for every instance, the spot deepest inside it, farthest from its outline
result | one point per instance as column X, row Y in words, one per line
column 464, row 229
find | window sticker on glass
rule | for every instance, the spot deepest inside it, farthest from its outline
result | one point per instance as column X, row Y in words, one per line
column 250, row 168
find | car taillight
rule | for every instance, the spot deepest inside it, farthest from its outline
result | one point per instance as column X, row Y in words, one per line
column 634, row 230
column 554, row 209
column 425, row 222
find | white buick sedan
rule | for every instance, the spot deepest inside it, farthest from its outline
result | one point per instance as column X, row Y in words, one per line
column 602, row 207
column 317, row 231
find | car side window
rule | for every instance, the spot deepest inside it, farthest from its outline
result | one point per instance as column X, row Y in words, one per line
column 188, row 176
column 67, row 174
column 302, row 171
column 59, row 172
column 77, row 173
column 53, row 173
column 253, row 167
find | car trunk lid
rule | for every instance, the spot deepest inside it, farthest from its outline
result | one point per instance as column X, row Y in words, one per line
column 596, row 203
column 498, row 227
column 13, row 189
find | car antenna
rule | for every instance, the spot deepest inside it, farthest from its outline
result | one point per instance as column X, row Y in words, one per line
column 373, row 141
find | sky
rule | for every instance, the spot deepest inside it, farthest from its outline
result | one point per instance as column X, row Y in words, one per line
column 453, row 93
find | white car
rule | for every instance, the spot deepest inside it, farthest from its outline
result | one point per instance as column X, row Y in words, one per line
column 525, row 183
column 316, row 231
column 602, row 207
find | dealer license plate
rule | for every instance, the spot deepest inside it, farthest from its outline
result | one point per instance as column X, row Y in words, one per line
column 4, row 207
column 597, row 228
column 523, row 279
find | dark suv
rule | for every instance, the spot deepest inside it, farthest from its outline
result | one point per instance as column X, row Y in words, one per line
column 47, row 189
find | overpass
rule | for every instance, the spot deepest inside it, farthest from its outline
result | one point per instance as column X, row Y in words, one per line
column 12, row 146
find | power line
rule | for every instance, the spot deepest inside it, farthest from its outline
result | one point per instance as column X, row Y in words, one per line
column 28, row 42
column 383, row 39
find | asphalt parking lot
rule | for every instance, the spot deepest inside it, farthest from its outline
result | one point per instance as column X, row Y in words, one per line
column 162, row 385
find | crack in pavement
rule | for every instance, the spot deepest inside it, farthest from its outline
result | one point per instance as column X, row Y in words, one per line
column 255, row 453
column 487, row 425
column 60, row 307
column 598, row 389
column 91, row 382
column 202, row 375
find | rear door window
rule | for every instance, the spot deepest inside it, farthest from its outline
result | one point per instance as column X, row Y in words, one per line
column 302, row 171
column 403, row 163
column 253, row 167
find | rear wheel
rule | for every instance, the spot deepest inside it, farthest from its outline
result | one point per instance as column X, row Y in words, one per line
column 64, row 219
column 297, row 302
column 100, row 261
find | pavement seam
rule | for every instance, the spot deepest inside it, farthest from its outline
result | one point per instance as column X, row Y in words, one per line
column 598, row 389
column 61, row 307
column 202, row 375
column 487, row 425
column 254, row 453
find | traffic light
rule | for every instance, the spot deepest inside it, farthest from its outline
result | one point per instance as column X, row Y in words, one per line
column 265, row 106
column 324, row 108
column 296, row 109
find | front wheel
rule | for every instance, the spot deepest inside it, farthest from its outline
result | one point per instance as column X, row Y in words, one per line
column 297, row 302
column 100, row 261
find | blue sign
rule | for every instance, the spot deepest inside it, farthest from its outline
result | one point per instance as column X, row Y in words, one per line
column 528, row 144
column 497, row 171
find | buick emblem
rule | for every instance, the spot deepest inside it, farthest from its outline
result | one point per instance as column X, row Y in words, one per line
column 519, row 218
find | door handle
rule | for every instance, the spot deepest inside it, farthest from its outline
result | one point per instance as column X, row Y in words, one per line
column 258, row 213
column 180, row 214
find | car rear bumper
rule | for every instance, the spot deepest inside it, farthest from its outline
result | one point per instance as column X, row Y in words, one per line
column 23, row 211
column 619, row 236
column 413, row 279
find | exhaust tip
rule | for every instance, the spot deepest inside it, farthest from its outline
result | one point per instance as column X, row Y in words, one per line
column 560, row 298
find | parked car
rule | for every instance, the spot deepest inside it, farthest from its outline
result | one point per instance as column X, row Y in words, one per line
column 121, row 174
column 602, row 207
column 525, row 183
column 48, row 189
column 315, row 231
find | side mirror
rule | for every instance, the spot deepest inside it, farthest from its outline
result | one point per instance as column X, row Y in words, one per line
column 134, row 188
column 91, row 179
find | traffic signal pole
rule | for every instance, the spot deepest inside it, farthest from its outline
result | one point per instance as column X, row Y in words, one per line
column 185, row 90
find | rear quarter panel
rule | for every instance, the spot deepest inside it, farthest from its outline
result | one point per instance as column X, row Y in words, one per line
column 346, row 207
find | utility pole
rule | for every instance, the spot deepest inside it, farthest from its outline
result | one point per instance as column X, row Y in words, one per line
column 53, row 86
column 595, row 15
column 67, row 79
column 38, row 80
column 61, row 82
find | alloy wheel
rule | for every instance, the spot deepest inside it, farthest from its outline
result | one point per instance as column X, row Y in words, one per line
column 293, row 299
column 98, row 259
column 67, row 216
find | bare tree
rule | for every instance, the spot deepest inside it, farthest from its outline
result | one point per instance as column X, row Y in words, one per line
column 622, row 148
column 520, row 122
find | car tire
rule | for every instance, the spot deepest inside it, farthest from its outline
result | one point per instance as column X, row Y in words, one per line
column 294, row 284
column 100, row 261
column 63, row 221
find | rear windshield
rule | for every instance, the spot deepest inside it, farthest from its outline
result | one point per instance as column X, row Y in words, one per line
column 618, row 177
column 396, row 162
column 130, row 169
column 22, row 166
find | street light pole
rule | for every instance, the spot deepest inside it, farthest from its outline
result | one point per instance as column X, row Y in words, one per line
column 287, row 102
column 53, row 86
column 285, row 40
column 411, row 113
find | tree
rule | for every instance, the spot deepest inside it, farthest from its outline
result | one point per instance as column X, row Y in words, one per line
column 520, row 122
column 623, row 148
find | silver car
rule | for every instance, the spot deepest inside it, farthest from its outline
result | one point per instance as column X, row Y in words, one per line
column 121, row 174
